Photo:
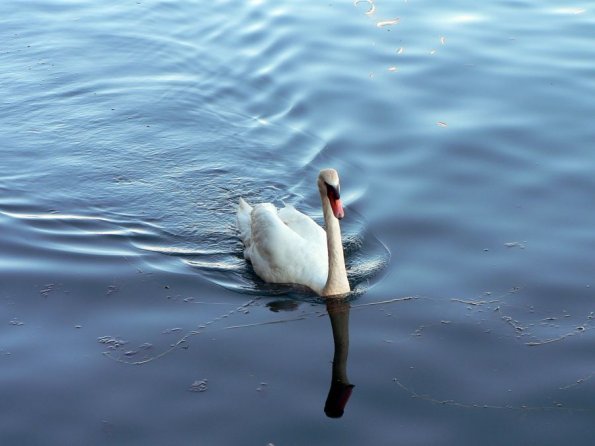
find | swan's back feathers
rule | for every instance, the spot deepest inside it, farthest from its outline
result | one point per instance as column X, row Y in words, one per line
column 284, row 246
column 301, row 224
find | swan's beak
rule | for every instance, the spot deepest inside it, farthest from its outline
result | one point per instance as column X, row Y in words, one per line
column 337, row 207
column 334, row 197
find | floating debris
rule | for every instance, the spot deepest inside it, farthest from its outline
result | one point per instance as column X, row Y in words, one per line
column 47, row 289
column 442, row 40
column 469, row 302
column 570, row 11
column 400, row 50
column 392, row 69
column 16, row 322
column 514, row 245
column 200, row 385
column 372, row 8
column 111, row 341
column 390, row 22
column 441, row 124
column 111, row 290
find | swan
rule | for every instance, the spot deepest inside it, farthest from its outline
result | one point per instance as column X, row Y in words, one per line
column 286, row 246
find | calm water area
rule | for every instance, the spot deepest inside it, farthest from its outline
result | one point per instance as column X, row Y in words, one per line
column 464, row 134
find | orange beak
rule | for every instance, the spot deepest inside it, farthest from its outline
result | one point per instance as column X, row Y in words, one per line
column 337, row 208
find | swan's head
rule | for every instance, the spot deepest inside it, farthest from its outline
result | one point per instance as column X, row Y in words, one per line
column 328, row 184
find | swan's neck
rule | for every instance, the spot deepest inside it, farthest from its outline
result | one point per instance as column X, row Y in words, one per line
column 336, row 282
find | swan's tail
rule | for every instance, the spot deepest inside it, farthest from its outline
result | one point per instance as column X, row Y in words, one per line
column 244, row 222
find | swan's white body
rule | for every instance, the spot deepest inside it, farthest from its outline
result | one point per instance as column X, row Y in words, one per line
column 286, row 246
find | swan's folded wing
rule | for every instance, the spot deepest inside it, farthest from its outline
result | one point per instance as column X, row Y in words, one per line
column 280, row 255
column 273, row 245
column 302, row 225
column 269, row 233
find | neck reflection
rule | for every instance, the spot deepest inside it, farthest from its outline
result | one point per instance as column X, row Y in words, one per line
column 341, row 388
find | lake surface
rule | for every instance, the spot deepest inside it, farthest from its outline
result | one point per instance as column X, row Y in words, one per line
column 464, row 136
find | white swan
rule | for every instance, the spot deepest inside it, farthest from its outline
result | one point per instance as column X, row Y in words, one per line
column 286, row 246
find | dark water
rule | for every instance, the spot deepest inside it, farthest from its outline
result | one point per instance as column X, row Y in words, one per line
column 463, row 133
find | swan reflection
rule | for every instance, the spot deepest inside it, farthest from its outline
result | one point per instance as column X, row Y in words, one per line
column 341, row 388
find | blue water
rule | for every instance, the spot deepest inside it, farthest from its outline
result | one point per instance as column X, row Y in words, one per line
column 463, row 133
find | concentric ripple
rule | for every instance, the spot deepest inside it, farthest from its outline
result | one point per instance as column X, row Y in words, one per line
column 150, row 159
